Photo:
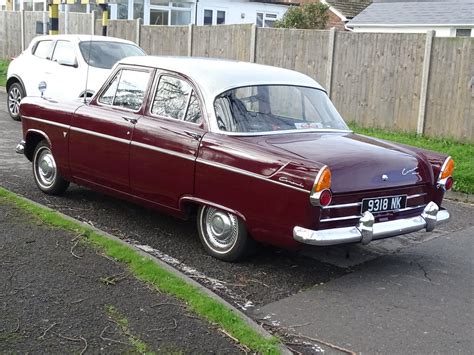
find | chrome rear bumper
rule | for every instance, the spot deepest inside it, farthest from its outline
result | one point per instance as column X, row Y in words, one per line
column 20, row 148
column 367, row 230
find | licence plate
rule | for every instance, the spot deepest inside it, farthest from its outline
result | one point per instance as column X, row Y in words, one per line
column 384, row 204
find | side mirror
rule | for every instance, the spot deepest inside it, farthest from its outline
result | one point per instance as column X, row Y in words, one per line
column 69, row 62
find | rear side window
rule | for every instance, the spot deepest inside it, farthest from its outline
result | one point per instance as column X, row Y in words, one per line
column 43, row 49
column 175, row 98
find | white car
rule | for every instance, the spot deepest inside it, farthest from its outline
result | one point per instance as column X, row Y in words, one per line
column 71, row 66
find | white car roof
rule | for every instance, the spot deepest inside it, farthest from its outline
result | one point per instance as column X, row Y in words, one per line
column 80, row 38
column 214, row 76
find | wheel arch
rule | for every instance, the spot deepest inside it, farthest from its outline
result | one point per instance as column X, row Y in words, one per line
column 190, row 203
column 32, row 138
column 15, row 79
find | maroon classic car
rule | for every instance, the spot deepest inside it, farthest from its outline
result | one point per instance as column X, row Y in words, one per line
column 260, row 153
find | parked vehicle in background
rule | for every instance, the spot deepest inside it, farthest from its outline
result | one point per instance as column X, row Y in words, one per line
column 259, row 152
column 71, row 65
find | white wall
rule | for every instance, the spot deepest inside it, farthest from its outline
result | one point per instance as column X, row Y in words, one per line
column 238, row 12
column 439, row 31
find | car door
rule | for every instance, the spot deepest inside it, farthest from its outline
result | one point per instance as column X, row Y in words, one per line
column 166, row 142
column 34, row 65
column 100, row 135
column 64, row 77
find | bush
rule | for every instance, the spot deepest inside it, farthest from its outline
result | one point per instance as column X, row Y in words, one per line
column 308, row 16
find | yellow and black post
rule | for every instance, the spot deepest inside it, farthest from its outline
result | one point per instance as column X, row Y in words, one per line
column 105, row 15
column 54, row 17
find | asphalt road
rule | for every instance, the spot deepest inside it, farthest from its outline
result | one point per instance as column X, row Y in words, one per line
column 270, row 276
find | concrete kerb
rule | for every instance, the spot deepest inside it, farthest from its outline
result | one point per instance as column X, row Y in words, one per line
column 254, row 325
column 459, row 196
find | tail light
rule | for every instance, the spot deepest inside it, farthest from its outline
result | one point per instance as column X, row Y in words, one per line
column 321, row 193
column 445, row 178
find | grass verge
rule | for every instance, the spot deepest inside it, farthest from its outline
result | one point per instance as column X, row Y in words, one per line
column 148, row 271
column 462, row 153
column 3, row 71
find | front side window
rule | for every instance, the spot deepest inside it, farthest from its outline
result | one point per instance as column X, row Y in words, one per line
column 270, row 108
column 104, row 54
column 43, row 49
column 176, row 99
column 126, row 90
column 64, row 53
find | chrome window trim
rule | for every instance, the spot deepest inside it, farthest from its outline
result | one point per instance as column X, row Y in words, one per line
column 164, row 151
column 285, row 131
column 52, row 123
column 247, row 173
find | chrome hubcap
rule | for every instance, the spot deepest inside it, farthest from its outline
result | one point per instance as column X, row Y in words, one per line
column 14, row 99
column 221, row 229
column 45, row 168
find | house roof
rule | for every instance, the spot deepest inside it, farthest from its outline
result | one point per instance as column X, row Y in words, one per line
column 349, row 8
column 416, row 13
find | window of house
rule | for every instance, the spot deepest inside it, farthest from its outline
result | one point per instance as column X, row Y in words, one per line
column 170, row 13
column 463, row 32
column 175, row 98
column 214, row 17
column 265, row 19
column 126, row 90
column 43, row 49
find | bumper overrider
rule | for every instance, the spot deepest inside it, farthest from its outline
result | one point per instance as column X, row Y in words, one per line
column 20, row 148
column 367, row 230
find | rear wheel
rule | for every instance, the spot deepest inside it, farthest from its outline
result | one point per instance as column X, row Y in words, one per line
column 223, row 234
column 15, row 94
column 45, row 171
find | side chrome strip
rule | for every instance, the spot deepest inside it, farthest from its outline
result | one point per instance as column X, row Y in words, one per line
column 101, row 135
column 164, row 151
column 51, row 123
column 247, row 173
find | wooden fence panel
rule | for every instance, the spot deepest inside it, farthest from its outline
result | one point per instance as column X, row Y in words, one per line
column 223, row 41
column 303, row 50
column 31, row 17
column 450, row 100
column 377, row 78
column 164, row 40
column 10, row 34
column 125, row 29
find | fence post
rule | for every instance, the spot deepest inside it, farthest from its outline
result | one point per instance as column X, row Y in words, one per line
column 66, row 19
column 137, row 33
column 45, row 23
column 253, row 44
column 22, row 30
column 424, row 83
column 93, row 22
column 190, row 39
column 331, row 45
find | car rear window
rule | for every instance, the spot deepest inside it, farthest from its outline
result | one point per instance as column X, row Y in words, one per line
column 103, row 54
column 43, row 49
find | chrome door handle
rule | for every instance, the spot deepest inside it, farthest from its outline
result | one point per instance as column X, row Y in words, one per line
column 130, row 119
column 196, row 136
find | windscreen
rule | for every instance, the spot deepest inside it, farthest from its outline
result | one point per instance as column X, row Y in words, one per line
column 102, row 54
column 270, row 108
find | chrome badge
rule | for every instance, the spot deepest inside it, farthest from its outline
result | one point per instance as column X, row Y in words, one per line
column 384, row 177
column 413, row 171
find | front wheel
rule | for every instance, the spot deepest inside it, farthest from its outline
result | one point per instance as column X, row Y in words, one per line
column 14, row 97
column 45, row 171
column 223, row 234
